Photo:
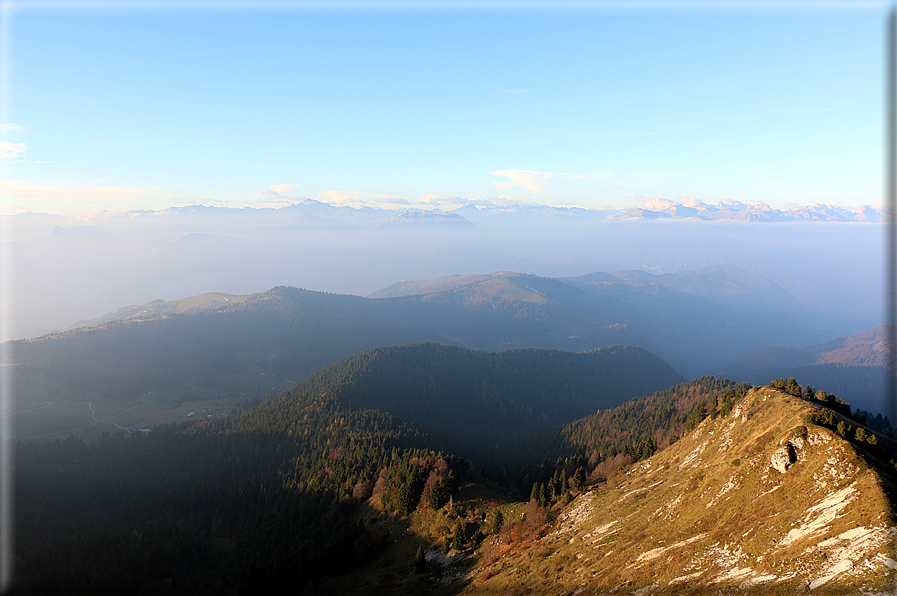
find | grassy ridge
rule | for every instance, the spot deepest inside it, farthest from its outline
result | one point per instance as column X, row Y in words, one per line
column 758, row 501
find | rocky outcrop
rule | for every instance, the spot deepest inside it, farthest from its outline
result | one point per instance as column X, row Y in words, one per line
column 783, row 457
column 787, row 454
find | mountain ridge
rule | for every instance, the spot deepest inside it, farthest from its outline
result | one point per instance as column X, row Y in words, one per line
column 815, row 506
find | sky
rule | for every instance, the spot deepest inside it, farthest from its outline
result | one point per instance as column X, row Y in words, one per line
column 116, row 106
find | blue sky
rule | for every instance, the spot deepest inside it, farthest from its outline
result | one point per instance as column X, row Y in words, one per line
column 126, row 108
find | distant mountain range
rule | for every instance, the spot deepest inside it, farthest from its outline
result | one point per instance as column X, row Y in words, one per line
column 691, row 320
column 310, row 213
column 761, row 212
column 694, row 320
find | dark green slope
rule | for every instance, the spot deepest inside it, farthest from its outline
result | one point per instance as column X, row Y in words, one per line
column 241, row 503
column 273, row 496
column 484, row 401
column 272, row 493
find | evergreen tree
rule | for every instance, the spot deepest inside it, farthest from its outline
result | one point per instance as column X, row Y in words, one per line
column 725, row 408
column 437, row 499
column 579, row 479
column 843, row 428
column 458, row 536
column 420, row 560
column 497, row 521
column 543, row 496
column 698, row 413
column 792, row 388
column 451, row 483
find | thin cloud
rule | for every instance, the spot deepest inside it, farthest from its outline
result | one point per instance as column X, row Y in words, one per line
column 533, row 180
column 654, row 204
column 276, row 198
column 25, row 192
column 363, row 199
column 444, row 200
column 282, row 188
column 10, row 127
column 8, row 149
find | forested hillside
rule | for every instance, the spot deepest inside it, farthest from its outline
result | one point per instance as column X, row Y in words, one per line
column 486, row 401
column 613, row 438
column 316, row 482
column 593, row 447
column 237, row 500
column 246, row 501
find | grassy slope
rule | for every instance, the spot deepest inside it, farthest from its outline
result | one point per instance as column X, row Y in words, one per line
column 710, row 512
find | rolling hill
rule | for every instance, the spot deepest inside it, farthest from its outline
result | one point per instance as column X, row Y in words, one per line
column 694, row 320
column 158, row 363
column 204, row 355
column 230, row 500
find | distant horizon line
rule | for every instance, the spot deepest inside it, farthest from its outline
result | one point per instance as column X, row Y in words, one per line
column 645, row 209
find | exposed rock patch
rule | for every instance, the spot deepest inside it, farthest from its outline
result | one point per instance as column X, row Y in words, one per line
column 783, row 457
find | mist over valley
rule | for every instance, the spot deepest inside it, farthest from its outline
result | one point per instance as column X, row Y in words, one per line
column 66, row 270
